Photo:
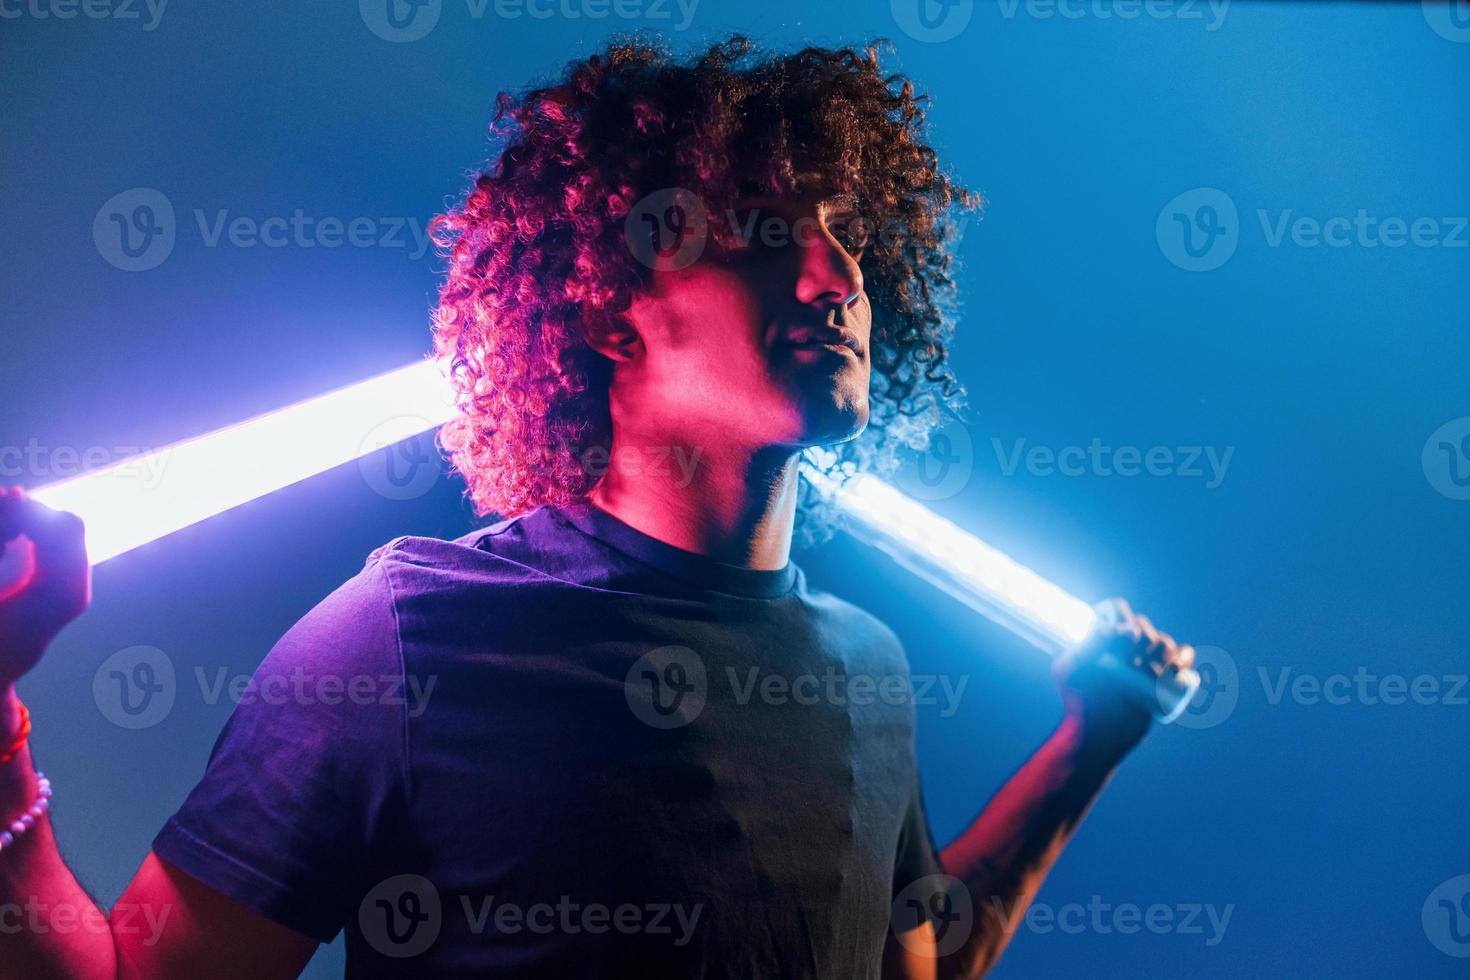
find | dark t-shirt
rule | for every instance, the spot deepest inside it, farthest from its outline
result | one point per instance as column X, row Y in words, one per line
column 557, row 747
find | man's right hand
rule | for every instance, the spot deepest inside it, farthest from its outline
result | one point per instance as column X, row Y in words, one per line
column 207, row 934
column 55, row 582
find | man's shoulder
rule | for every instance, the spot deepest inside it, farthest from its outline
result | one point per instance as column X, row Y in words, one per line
column 427, row 550
column 495, row 551
column 433, row 583
column 851, row 623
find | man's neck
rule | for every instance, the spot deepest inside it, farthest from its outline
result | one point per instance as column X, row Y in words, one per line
column 737, row 507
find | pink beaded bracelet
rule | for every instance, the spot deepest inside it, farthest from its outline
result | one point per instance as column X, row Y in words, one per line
column 29, row 818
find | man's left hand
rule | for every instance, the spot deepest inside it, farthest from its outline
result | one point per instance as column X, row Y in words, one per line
column 1102, row 700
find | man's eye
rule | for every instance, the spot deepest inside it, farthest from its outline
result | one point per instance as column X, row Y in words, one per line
column 851, row 234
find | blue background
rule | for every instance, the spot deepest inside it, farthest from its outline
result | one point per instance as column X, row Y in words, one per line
column 1325, row 549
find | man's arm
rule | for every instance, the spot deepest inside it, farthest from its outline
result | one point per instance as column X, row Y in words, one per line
column 1002, row 858
column 166, row 924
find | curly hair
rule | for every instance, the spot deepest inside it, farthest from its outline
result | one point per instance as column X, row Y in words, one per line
column 537, row 251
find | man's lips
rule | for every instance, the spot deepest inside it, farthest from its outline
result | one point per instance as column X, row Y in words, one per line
column 816, row 338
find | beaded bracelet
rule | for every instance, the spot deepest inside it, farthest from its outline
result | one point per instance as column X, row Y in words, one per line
column 29, row 818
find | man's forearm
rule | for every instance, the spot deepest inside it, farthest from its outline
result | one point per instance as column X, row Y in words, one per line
column 49, row 926
column 1003, row 856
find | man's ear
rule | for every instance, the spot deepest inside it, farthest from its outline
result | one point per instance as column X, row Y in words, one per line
column 614, row 338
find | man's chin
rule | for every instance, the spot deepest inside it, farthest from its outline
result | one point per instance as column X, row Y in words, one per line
column 835, row 423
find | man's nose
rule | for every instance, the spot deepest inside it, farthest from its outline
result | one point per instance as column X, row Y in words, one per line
column 827, row 273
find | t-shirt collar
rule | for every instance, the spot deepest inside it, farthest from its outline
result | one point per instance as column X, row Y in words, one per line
column 688, row 566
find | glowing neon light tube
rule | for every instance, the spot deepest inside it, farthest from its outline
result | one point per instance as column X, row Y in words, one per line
column 123, row 507
column 198, row 478
column 961, row 564
column 950, row 558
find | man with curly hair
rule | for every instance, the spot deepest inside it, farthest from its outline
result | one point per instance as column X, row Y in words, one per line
column 629, row 739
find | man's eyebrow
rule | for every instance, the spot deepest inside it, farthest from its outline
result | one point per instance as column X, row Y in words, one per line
column 834, row 204
column 846, row 201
